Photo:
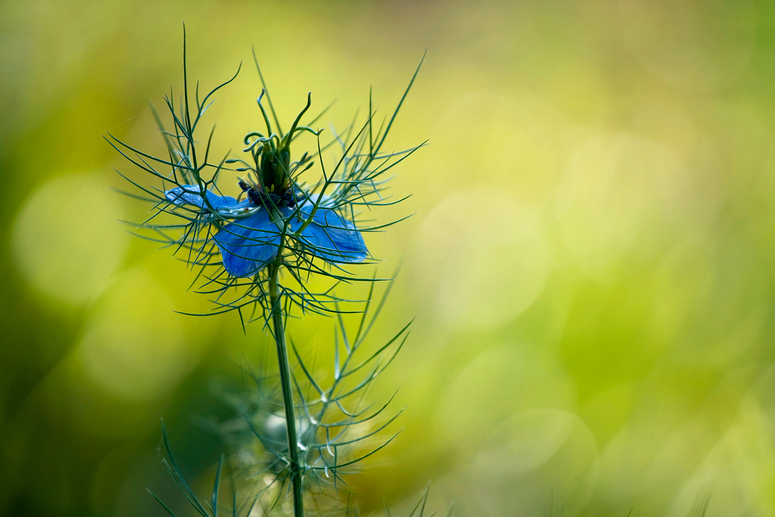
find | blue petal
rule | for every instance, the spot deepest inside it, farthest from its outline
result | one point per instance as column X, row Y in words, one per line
column 247, row 245
column 190, row 194
column 330, row 236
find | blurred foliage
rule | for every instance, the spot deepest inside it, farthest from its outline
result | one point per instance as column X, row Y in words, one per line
column 591, row 263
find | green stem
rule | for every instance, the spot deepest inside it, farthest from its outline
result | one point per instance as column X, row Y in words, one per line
column 285, row 381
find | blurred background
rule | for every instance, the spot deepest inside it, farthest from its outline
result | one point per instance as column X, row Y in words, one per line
column 591, row 261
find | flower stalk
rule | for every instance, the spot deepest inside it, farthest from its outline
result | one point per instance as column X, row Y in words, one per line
column 295, row 467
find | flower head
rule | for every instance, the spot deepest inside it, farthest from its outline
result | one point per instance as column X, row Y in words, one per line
column 262, row 227
column 286, row 224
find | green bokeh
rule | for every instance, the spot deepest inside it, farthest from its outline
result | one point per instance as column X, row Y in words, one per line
column 591, row 263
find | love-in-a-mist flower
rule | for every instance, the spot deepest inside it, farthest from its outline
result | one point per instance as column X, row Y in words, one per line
column 266, row 223
column 296, row 215
column 278, row 222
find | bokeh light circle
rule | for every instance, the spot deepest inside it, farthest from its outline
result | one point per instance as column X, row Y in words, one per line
column 499, row 381
column 614, row 188
column 482, row 258
column 134, row 346
column 537, row 459
column 66, row 239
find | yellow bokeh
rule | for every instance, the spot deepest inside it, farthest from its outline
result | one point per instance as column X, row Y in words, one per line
column 64, row 238
column 589, row 261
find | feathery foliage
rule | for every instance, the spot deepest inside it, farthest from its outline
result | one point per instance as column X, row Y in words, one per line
column 307, row 214
column 300, row 433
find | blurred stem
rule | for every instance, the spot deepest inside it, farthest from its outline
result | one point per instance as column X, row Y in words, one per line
column 285, row 380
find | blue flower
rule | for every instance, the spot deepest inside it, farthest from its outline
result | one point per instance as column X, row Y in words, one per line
column 250, row 243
